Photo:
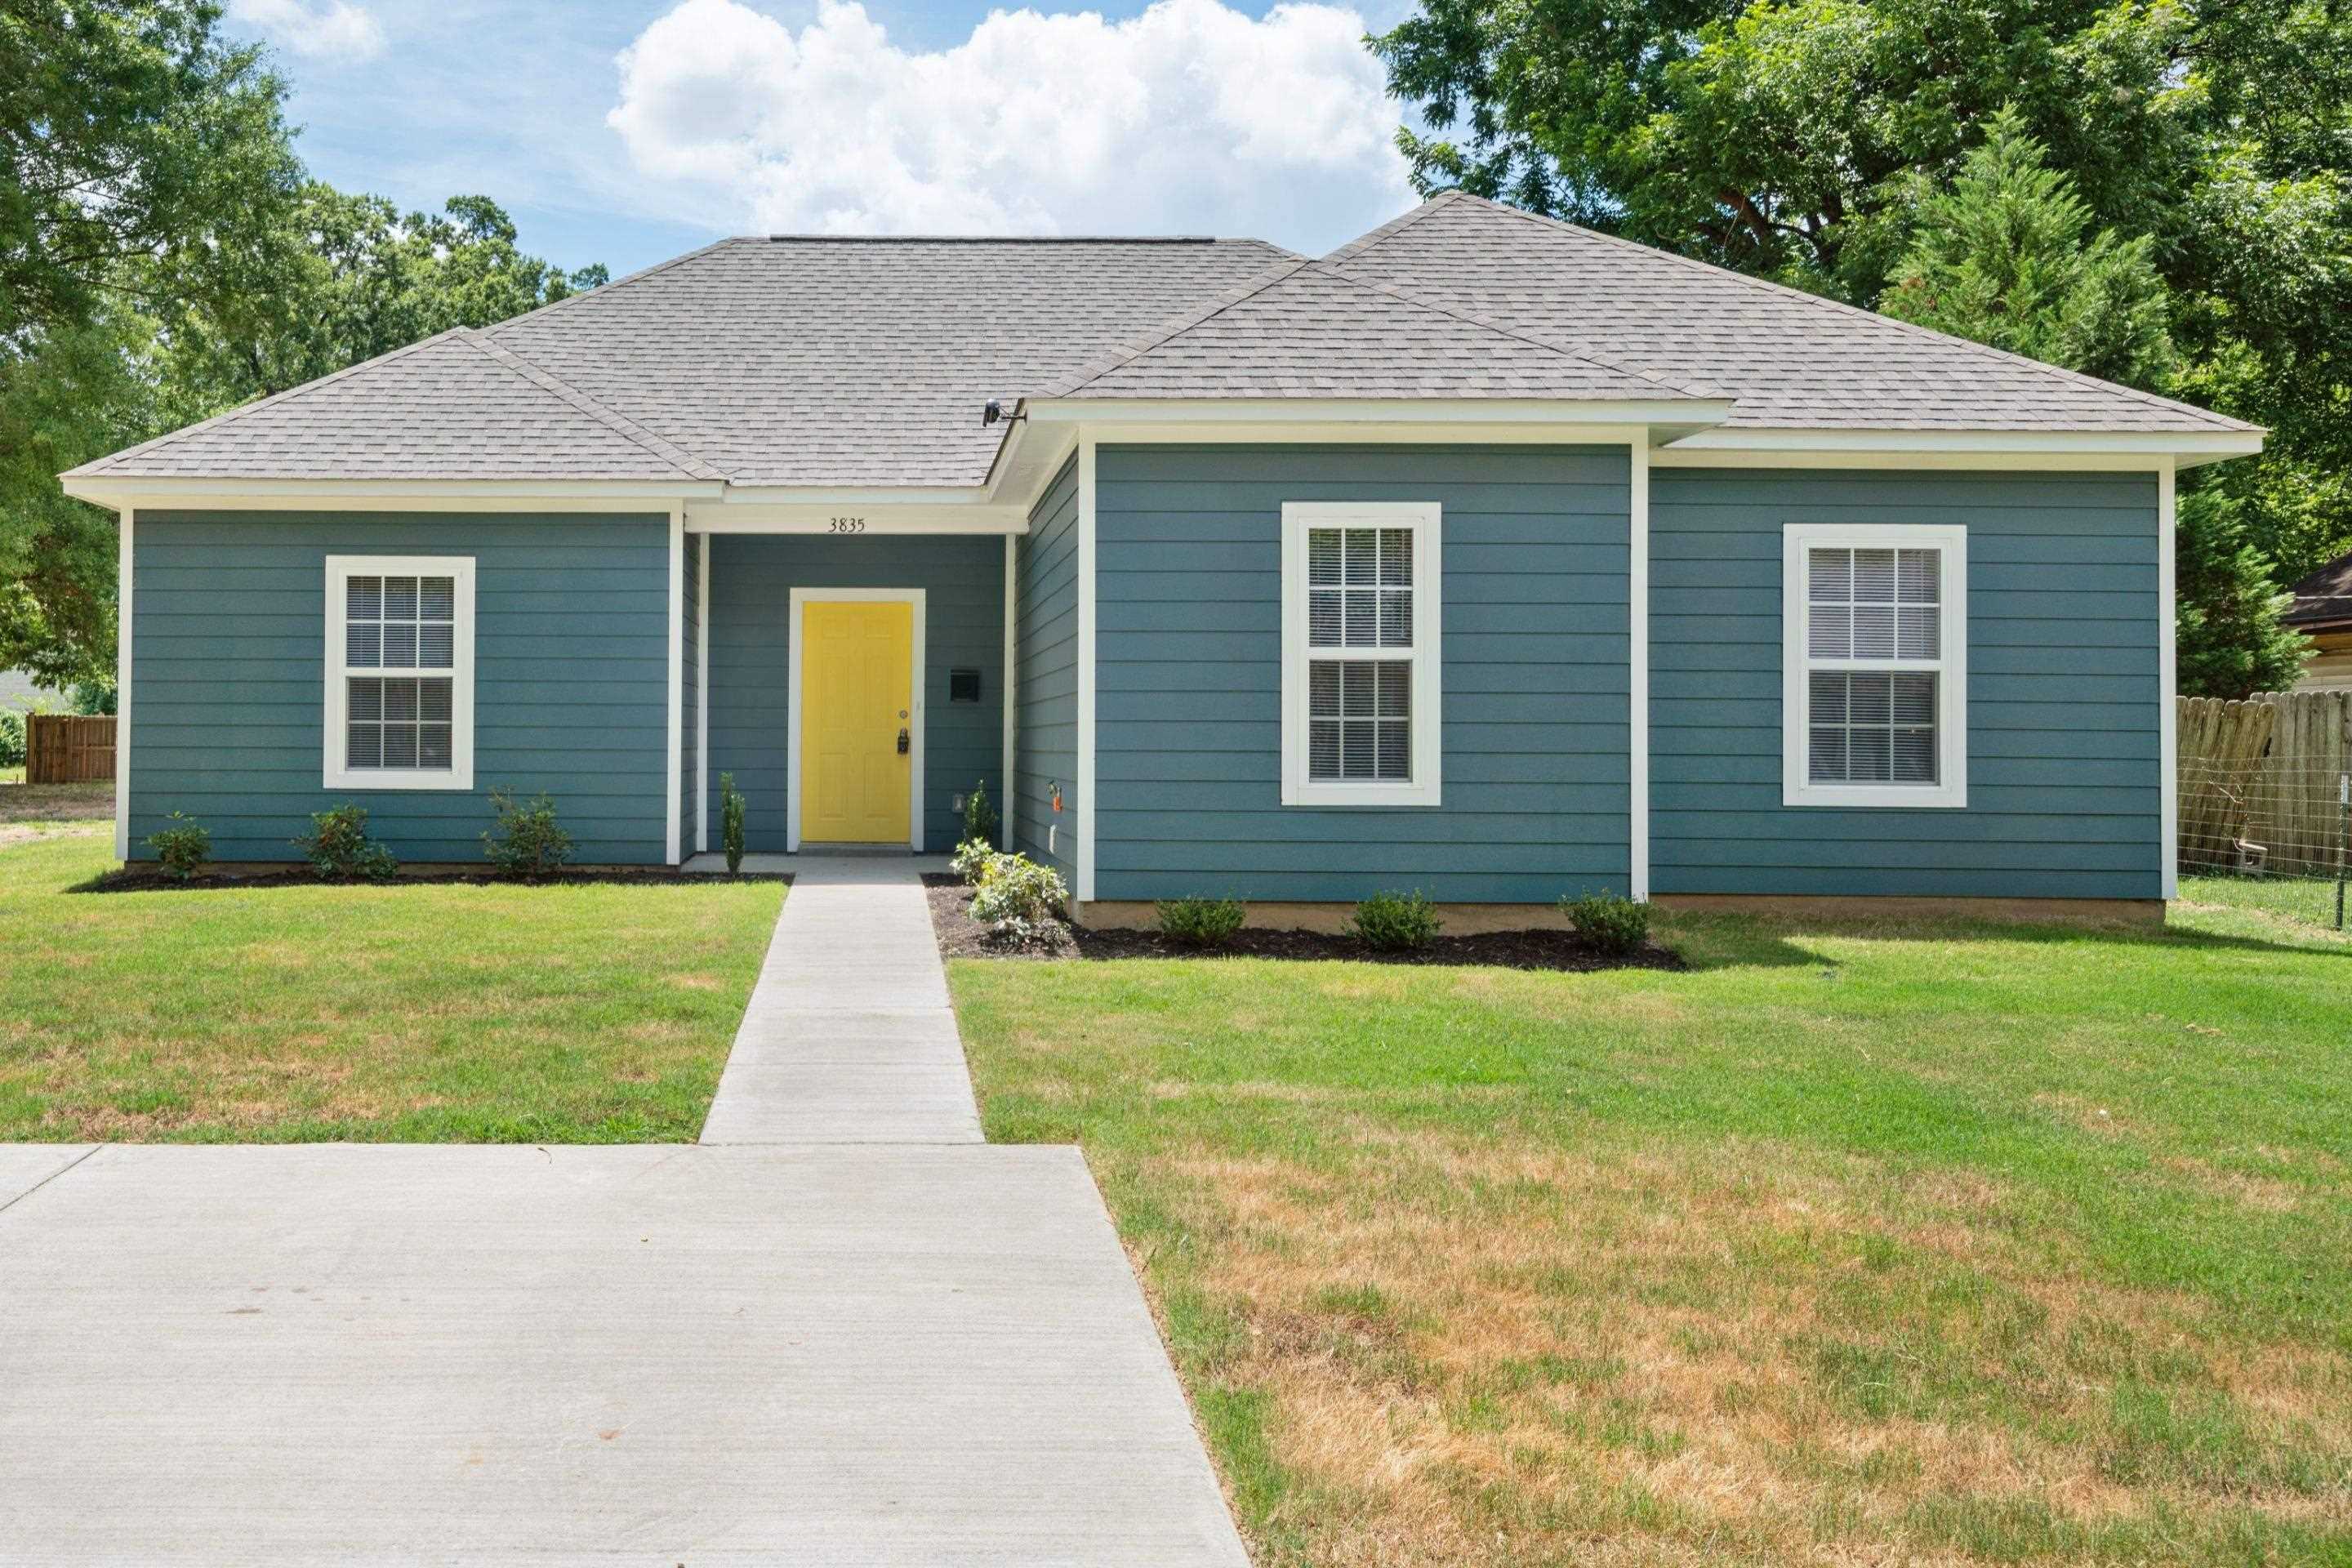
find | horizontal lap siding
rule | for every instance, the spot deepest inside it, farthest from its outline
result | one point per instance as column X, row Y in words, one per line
column 1188, row 677
column 2064, row 689
column 1045, row 732
column 571, row 663
column 751, row 580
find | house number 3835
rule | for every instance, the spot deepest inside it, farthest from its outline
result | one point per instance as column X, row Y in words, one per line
column 848, row 525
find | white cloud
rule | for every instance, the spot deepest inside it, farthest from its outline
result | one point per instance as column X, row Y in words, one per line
column 1192, row 117
column 335, row 30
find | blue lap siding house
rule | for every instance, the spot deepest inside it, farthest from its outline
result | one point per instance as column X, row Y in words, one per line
column 1485, row 555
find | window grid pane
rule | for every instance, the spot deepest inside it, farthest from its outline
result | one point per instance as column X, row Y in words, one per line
column 1874, row 604
column 409, row 624
column 1872, row 727
column 1359, row 587
column 1360, row 720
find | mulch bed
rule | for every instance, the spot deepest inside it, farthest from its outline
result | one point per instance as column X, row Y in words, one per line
column 961, row 936
column 152, row 881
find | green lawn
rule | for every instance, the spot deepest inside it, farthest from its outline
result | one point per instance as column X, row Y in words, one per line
column 562, row 1013
column 1875, row 1245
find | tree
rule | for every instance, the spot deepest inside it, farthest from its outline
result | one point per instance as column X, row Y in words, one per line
column 1803, row 140
column 2006, row 257
column 163, row 257
column 2231, row 641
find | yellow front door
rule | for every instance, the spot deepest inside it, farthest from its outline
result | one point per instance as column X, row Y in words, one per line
column 858, row 662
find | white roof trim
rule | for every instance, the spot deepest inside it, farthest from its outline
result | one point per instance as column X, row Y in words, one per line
column 1274, row 411
column 1798, row 448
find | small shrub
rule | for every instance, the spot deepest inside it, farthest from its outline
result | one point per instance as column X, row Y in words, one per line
column 1395, row 922
column 731, row 822
column 980, row 817
column 183, row 849
column 1607, row 922
column 526, row 842
column 12, row 739
column 971, row 859
column 1201, row 923
column 340, row 850
column 1016, row 897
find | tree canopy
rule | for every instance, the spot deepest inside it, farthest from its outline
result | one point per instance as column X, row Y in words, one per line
column 164, row 256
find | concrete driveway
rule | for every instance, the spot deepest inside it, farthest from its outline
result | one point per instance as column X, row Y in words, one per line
column 659, row 1355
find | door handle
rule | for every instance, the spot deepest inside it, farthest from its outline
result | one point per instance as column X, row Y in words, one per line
column 903, row 742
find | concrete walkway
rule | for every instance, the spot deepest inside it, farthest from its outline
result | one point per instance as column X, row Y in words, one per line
column 848, row 1037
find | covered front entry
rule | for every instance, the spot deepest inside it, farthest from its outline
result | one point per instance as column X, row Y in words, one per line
column 857, row 721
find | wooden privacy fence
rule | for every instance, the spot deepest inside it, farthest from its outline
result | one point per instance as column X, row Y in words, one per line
column 2263, row 783
column 69, row 748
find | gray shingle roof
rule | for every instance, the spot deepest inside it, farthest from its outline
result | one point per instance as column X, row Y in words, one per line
column 1790, row 360
column 809, row 361
column 1305, row 330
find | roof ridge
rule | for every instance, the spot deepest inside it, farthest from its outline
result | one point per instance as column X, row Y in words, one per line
column 97, row 465
column 1137, row 347
column 1896, row 323
column 1520, row 334
column 612, row 418
column 1402, row 221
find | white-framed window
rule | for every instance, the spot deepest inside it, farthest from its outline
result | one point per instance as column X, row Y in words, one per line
column 1359, row 653
column 400, row 672
column 1875, row 674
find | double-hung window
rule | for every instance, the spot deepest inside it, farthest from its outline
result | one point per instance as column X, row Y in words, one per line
column 1359, row 653
column 400, row 672
column 1875, row 695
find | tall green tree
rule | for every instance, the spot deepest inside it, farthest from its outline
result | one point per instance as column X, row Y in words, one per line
column 2007, row 257
column 1802, row 140
column 163, row 257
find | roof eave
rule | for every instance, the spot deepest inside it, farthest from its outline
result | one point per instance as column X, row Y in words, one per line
column 1280, row 412
column 121, row 492
column 2072, row 449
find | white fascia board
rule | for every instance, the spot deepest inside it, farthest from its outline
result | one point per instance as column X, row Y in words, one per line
column 386, row 495
column 2026, row 449
column 1266, row 414
column 851, row 518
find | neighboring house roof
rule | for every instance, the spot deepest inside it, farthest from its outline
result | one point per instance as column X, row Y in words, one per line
column 816, row 361
column 21, row 693
column 2324, row 599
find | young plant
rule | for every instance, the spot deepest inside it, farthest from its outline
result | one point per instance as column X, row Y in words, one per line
column 980, row 818
column 12, row 738
column 1017, row 898
column 731, row 822
column 1607, row 922
column 182, row 849
column 1395, row 922
column 1201, row 923
column 971, row 859
column 340, row 850
column 527, row 842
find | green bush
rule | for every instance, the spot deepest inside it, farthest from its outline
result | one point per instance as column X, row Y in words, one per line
column 12, row 739
column 980, row 817
column 183, row 849
column 731, row 822
column 340, row 850
column 526, row 842
column 1395, row 922
column 971, row 859
column 1201, row 923
column 1607, row 922
column 1017, row 898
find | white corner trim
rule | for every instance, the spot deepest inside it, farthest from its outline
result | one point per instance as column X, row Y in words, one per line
column 673, row 792
column 799, row 601
column 1086, row 852
column 1637, row 598
column 1426, row 520
column 702, row 782
column 122, row 553
column 333, row 774
column 2167, row 685
column 1008, row 688
column 1951, row 791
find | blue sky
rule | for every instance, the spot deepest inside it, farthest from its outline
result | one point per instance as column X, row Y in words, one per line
column 626, row 132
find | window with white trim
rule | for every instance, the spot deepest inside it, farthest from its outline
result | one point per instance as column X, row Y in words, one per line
column 1874, row 693
column 1359, row 664
column 400, row 672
